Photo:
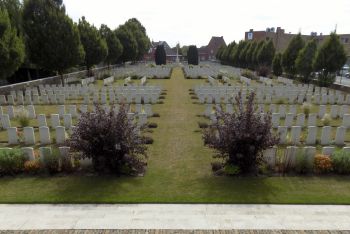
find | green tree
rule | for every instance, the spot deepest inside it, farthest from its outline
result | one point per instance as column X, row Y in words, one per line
column 249, row 54
column 277, row 64
column 95, row 46
column 236, row 53
column 140, row 35
column 52, row 39
column 11, row 47
column 160, row 55
column 243, row 55
column 305, row 59
column 266, row 53
column 291, row 54
column 329, row 59
column 115, row 48
column 129, row 43
column 192, row 55
column 14, row 9
column 184, row 50
column 254, row 58
column 220, row 52
column 226, row 55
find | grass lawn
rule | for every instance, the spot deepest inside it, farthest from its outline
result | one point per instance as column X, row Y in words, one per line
column 178, row 170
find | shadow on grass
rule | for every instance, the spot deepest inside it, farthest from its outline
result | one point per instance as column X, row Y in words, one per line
column 67, row 189
column 224, row 189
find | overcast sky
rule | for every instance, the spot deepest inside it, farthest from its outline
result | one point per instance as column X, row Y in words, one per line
column 194, row 22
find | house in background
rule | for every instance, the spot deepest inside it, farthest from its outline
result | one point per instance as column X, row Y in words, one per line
column 281, row 39
column 170, row 53
column 209, row 52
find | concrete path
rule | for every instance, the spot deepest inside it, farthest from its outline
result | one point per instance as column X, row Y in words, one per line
column 175, row 216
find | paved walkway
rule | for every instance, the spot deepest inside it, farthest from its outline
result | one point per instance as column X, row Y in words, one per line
column 174, row 216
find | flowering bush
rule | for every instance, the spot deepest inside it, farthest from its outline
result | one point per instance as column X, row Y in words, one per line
column 241, row 137
column 32, row 167
column 322, row 163
column 111, row 140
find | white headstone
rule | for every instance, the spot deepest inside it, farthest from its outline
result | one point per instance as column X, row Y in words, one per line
column 282, row 133
column 275, row 119
column 44, row 133
column 11, row 112
column 142, row 119
column 55, row 120
column 60, row 135
column 61, row 110
column 148, row 109
column 31, row 112
column 67, row 119
column 312, row 120
column 326, row 135
column 311, row 135
column 346, row 120
column 295, row 135
column 328, row 150
column 282, row 110
column 321, row 111
column 29, row 152
column 42, row 120
column 289, row 120
column 340, row 136
column 12, row 136
column 73, row 111
column 44, row 152
column 334, row 111
column 29, row 137
column 301, row 119
column 6, row 123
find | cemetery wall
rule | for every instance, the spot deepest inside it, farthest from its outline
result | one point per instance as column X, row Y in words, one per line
column 70, row 77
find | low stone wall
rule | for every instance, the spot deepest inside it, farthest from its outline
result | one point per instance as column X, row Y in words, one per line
column 70, row 77
column 4, row 90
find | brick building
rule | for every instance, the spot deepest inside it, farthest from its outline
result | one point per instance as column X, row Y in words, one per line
column 209, row 52
column 170, row 53
column 282, row 39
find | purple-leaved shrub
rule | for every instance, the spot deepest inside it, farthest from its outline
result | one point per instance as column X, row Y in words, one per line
column 240, row 138
column 112, row 141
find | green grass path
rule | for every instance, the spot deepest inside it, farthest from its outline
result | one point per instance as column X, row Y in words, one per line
column 178, row 170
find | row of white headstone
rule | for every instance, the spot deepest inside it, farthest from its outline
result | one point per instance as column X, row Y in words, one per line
column 68, row 90
column 209, row 69
column 143, row 70
column 282, row 112
column 97, row 98
column 291, row 152
column 44, row 152
column 219, row 95
column 311, row 139
column 61, row 136
column 72, row 113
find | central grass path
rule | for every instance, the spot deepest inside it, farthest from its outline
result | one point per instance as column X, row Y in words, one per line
column 178, row 170
column 178, row 156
